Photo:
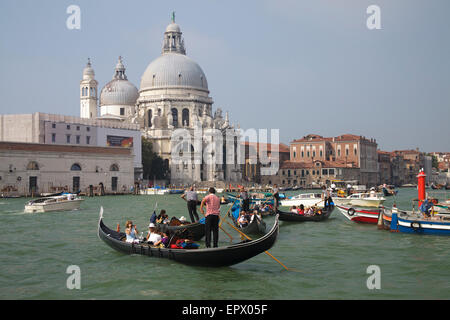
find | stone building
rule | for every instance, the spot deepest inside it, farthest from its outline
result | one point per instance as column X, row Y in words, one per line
column 33, row 168
column 351, row 150
column 55, row 129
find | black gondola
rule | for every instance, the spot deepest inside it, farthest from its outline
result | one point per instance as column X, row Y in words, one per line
column 208, row 257
column 294, row 217
column 256, row 226
column 194, row 231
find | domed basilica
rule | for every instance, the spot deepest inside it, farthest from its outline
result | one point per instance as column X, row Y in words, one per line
column 173, row 95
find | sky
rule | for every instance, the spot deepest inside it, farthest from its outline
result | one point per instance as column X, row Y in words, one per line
column 298, row 66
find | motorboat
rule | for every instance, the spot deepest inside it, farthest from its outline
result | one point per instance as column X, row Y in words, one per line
column 153, row 191
column 361, row 215
column 415, row 222
column 361, row 200
column 62, row 202
column 306, row 199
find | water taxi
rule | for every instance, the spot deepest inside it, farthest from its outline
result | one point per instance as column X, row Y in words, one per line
column 306, row 199
column 62, row 202
column 361, row 200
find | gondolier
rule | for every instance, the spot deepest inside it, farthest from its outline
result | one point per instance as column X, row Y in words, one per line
column 276, row 197
column 212, row 203
column 326, row 196
column 245, row 200
column 192, row 200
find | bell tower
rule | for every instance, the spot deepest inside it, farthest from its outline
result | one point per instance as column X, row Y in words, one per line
column 88, row 93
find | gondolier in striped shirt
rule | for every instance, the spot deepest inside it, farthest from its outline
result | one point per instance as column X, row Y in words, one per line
column 191, row 197
column 212, row 203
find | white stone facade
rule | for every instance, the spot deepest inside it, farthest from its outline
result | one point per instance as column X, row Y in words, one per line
column 66, row 130
column 53, row 168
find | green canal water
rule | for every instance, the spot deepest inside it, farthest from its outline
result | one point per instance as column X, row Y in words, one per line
column 330, row 258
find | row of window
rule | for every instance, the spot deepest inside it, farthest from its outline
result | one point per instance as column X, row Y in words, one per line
column 325, row 172
column 33, row 165
column 68, row 127
column 308, row 154
column 175, row 118
column 68, row 139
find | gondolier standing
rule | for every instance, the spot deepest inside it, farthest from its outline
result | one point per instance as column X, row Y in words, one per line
column 276, row 197
column 191, row 197
column 245, row 200
column 212, row 203
column 326, row 196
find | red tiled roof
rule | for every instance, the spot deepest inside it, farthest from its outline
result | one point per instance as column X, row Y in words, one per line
column 267, row 146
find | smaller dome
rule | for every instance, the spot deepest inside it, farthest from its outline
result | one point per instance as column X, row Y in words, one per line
column 173, row 27
column 88, row 71
column 119, row 92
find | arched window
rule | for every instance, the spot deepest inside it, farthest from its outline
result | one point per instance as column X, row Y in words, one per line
column 75, row 167
column 149, row 115
column 175, row 117
column 114, row 167
column 33, row 165
column 185, row 117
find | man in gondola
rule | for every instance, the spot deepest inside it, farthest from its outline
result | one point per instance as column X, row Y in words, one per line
column 245, row 200
column 276, row 197
column 212, row 203
column 191, row 198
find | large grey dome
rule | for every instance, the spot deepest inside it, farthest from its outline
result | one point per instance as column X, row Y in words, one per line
column 174, row 70
column 119, row 91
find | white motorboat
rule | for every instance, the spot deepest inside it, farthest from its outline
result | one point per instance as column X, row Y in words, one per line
column 153, row 191
column 361, row 200
column 307, row 199
column 63, row 202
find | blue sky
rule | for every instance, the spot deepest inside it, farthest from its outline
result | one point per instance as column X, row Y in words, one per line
column 300, row 66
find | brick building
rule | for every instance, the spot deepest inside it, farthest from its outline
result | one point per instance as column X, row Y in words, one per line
column 347, row 150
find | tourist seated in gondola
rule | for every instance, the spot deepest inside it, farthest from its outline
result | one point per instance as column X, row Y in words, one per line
column 309, row 211
column 223, row 200
column 131, row 232
column 165, row 239
column 162, row 218
column 153, row 237
column 293, row 209
column 242, row 220
column 266, row 208
column 301, row 210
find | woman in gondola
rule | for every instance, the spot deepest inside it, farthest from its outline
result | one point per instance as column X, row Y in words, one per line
column 131, row 232
column 301, row 210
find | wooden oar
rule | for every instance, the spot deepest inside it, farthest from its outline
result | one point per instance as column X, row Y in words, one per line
column 226, row 214
column 266, row 252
